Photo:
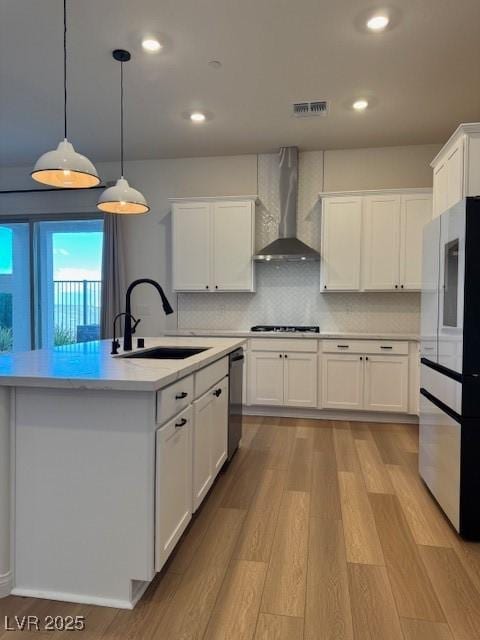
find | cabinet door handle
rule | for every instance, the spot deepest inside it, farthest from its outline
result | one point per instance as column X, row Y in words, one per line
column 217, row 392
column 396, row 286
column 181, row 395
column 280, row 355
column 180, row 423
column 216, row 286
column 324, row 286
column 207, row 287
column 382, row 347
column 366, row 357
column 343, row 346
column 361, row 358
column 286, row 356
column 401, row 286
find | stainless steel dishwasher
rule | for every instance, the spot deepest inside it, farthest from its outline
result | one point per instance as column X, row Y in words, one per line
column 235, row 411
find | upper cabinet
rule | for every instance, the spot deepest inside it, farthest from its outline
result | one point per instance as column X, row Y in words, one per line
column 213, row 244
column 456, row 169
column 341, row 238
column 372, row 241
column 381, row 242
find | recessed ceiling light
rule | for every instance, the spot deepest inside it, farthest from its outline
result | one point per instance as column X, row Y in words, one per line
column 378, row 23
column 197, row 116
column 360, row 105
column 151, row 45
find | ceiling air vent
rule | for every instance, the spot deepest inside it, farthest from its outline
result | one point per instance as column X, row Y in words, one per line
column 309, row 109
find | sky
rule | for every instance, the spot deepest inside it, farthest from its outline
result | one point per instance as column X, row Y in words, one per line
column 77, row 256
column 5, row 251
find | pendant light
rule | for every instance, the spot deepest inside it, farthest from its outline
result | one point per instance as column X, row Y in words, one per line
column 64, row 167
column 122, row 198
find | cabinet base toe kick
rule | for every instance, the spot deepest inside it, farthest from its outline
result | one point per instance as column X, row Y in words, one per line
column 330, row 414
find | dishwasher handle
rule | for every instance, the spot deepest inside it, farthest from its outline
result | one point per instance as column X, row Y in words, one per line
column 237, row 358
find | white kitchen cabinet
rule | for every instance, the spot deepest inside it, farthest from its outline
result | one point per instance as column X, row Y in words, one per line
column 219, row 426
column 279, row 378
column 416, row 212
column 365, row 382
column 456, row 168
column 192, row 246
column 386, row 383
column 455, row 174
column 213, row 245
column 202, row 447
column 342, row 381
column 372, row 241
column 380, row 254
column 266, row 378
column 341, row 244
column 173, row 484
column 300, row 379
column 440, row 189
column 210, row 434
column 233, row 242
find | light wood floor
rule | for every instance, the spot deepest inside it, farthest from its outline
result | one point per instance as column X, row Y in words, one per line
column 317, row 530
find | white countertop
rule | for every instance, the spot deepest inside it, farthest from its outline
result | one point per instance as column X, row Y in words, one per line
column 246, row 333
column 89, row 365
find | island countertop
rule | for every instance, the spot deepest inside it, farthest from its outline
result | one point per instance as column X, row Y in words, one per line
column 89, row 365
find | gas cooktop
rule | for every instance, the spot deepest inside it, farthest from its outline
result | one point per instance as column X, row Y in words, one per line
column 281, row 328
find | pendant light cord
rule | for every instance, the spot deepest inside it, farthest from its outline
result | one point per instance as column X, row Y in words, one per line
column 65, row 66
column 121, row 118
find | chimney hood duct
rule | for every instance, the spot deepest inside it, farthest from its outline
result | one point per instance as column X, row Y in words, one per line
column 288, row 248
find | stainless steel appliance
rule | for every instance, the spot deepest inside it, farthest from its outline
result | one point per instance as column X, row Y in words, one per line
column 282, row 328
column 287, row 247
column 450, row 369
column 235, row 416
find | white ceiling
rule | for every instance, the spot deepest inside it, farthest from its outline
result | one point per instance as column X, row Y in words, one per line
column 421, row 77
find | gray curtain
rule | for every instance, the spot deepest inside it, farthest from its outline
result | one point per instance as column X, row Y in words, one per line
column 113, row 274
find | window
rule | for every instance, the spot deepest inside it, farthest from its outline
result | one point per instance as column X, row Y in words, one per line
column 450, row 291
column 15, row 302
column 50, row 282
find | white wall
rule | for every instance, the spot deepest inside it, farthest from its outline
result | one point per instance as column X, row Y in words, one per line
column 148, row 238
column 380, row 168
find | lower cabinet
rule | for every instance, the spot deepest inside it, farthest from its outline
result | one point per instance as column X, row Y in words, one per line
column 365, row 382
column 173, row 483
column 342, row 381
column 300, row 379
column 265, row 372
column 282, row 379
column 386, row 383
column 210, row 438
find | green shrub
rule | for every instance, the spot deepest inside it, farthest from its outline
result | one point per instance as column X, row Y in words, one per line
column 63, row 336
column 6, row 339
column 5, row 310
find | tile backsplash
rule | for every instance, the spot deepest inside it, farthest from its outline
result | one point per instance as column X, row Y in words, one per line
column 289, row 293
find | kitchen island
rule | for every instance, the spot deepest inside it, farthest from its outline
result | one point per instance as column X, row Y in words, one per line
column 104, row 460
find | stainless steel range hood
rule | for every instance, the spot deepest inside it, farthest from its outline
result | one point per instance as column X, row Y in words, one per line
column 288, row 247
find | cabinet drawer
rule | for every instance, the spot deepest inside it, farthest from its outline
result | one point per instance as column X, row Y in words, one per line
column 387, row 347
column 207, row 377
column 284, row 344
column 174, row 398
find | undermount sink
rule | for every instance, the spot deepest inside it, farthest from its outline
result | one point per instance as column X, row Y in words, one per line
column 167, row 353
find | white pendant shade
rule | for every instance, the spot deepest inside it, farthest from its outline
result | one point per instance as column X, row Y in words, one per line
column 65, row 168
column 123, row 199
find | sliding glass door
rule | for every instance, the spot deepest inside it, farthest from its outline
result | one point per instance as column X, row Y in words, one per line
column 50, row 282
column 69, row 281
column 15, row 301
